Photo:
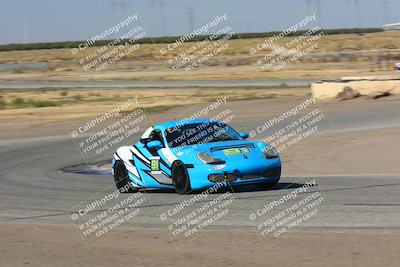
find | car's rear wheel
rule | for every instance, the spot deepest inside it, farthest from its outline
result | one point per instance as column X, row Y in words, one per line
column 121, row 178
column 181, row 178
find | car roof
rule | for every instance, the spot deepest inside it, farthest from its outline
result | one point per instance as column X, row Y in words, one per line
column 168, row 124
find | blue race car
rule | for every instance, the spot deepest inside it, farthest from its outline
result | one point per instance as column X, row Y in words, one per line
column 195, row 154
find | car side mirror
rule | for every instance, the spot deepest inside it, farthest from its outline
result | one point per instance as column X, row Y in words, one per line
column 154, row 145
column 244, row 135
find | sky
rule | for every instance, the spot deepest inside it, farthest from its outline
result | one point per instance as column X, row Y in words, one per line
column 29, row 21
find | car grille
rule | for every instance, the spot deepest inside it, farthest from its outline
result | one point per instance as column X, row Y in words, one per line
column 270, row 173
column 251, row 176
column 228, row 177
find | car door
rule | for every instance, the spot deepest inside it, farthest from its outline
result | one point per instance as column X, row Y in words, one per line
column 151, row 163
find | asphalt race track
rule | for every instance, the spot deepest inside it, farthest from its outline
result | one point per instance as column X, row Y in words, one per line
column 34, row 188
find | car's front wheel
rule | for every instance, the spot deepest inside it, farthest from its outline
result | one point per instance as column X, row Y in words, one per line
column 121, row 178
column 181, row 178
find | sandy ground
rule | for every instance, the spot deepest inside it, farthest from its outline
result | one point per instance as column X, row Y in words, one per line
column 80, row 104
column 50, row 245
column 344, row 153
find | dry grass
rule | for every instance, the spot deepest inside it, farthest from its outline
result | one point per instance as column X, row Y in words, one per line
column 147, row 63
column 329, row 43
column 81, row 103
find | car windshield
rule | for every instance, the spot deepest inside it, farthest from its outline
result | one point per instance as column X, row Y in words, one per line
column 200, row 133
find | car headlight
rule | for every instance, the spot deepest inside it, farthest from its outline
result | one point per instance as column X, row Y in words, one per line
column 208, row 158
column 270, row 152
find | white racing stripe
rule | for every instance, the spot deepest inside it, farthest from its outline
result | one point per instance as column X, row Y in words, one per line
column 139, row 155
column 125, row 153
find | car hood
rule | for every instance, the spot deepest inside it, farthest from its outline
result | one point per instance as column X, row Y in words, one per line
column 225, row 150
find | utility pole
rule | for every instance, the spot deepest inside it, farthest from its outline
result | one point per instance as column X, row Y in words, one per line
column 26, row 28
column 308, row 5
column 319, row 12
column 191, row 18
column 163, row 6
column 358, row 15
column 385, row 5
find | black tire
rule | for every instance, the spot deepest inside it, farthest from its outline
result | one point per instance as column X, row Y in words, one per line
column 121, row 178
column 181, row 179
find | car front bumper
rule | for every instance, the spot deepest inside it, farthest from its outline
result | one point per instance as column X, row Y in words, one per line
column 202, row 176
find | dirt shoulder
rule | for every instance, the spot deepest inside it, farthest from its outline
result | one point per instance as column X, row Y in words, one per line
column 37, row 106
column 356, row 152
column 43, row 245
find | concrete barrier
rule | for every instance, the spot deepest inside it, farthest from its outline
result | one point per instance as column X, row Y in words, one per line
column 364, row 85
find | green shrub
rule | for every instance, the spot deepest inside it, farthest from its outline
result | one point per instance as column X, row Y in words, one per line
column 17, row 101
column 171, row 39
column 3, row 103
column 77, row 97
column 94, row 94
column 42, row 103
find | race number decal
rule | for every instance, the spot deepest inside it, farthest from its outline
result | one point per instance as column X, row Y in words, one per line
column 155, row 164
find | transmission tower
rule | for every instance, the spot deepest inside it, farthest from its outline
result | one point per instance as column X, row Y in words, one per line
column 385, row 5
column 191, row 19
column 358, row 14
